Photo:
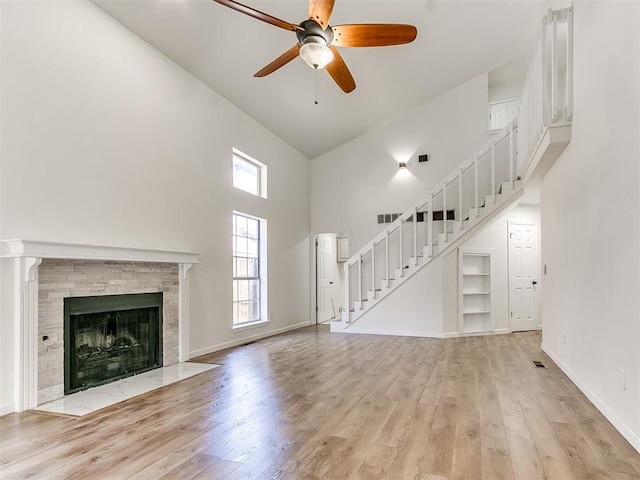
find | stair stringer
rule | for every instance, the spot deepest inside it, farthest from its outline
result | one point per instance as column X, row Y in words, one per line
column 486, row 216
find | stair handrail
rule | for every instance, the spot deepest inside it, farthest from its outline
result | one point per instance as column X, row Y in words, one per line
column 453, row 176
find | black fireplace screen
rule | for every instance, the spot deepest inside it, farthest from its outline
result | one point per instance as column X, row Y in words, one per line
column 110, row 337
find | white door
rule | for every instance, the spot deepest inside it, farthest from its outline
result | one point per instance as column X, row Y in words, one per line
column 524, row 275
column 324, row 283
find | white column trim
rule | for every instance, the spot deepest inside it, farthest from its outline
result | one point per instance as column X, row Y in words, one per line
column 26, row 332
column 183, row 311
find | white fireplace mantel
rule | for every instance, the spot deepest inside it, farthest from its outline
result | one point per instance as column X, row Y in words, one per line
column 26, row 256
column 73, row 251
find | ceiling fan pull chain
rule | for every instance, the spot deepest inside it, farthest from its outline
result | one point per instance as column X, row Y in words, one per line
column 316, row 73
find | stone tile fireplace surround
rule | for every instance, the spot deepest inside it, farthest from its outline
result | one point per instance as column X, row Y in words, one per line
column 60, row 278
column 45, row 273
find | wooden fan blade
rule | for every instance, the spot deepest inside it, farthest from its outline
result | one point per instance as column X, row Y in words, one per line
column 282, row 60
column 340, row 73
column 265, row 17
column 320, row 11
column 373, row 34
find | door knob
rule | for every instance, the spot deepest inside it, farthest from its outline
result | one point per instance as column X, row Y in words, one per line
column 534, row 282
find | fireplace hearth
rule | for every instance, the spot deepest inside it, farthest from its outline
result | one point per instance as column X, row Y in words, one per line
column 110, row 337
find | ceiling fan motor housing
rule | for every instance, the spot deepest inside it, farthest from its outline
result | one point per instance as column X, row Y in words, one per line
column 314, row 33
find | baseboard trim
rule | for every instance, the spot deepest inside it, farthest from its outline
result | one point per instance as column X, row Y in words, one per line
column 6, row 409
column 498, row 331
column 395, row 333
column 243, row 340
column 625, row 431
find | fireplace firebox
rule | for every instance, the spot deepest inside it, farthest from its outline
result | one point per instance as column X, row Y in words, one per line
column 110, row 337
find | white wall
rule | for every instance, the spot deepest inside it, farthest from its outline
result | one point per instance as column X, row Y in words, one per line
column 591, row 226
column 505, row 91
column 360, row 179
column 494, row 239
column 414, row 309
column 106, row 141
column 6, row 332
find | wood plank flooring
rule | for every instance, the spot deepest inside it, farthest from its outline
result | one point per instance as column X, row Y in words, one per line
column 310, row 404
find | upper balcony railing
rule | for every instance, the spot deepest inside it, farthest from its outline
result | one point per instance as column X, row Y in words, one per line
column 547, row 95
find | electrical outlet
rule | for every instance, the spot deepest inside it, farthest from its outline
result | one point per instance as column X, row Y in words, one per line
column 623, row 380
column 270, row 315
column 564, row 339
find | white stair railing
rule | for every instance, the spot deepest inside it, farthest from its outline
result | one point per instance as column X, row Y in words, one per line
column 405, row 244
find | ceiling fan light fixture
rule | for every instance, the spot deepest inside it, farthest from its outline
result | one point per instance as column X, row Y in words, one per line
column 316, row 54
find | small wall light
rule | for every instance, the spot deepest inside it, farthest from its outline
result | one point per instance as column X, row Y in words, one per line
column 402, row 165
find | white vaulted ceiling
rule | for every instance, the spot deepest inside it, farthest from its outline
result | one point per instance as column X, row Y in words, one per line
column 457, row 41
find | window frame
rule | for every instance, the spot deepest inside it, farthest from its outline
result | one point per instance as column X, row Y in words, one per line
column 261, row 187
column 260, row 278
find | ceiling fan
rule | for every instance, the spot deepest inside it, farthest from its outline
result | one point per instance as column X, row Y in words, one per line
column 317, row 41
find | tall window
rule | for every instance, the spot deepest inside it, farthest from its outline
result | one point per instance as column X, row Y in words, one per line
column 249, row 174
column 247, row 269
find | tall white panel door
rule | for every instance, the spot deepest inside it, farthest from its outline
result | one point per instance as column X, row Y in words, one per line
column 324, row 283
column 524, row 275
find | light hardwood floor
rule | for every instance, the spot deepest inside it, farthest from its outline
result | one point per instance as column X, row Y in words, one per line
column 310, row 404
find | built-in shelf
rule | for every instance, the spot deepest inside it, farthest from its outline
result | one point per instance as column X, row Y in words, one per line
column 475, row 292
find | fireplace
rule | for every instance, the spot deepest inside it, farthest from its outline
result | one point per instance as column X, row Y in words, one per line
column 110, row 337
column 42, row 274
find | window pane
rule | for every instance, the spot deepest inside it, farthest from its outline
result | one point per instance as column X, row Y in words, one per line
column 235, row 292
column 243, row 290
column 252, row 227
column 246, row 175
column 241, row 267
column 252, row 248
column 241, row 226
column 252, row 267
column 254, row 293
column 254, row 310
column 240, row 246
column 243, row 311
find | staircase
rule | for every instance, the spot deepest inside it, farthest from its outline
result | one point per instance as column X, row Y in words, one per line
column 479, row 189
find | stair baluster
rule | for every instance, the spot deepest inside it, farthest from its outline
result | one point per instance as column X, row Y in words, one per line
column 373, row 267
column 444, row 212
column 493, row 173
column 415, row 235
column 401, row 248
column 386, row 254
column 477, row 193
column 458, row 214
